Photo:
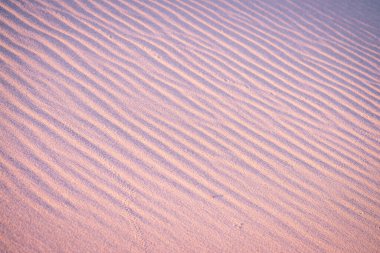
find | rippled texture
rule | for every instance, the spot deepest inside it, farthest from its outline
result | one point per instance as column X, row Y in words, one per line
column 189, row 126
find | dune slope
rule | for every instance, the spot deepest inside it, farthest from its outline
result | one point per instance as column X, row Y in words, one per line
column 189, row 126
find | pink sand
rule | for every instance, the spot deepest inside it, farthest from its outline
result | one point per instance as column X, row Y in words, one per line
column 189, row 126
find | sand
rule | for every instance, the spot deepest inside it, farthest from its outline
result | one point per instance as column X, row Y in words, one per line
column 189, row 126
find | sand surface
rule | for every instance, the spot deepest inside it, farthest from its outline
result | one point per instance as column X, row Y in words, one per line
column 189, row 126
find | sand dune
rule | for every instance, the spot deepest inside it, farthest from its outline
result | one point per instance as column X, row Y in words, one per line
column 189, row 126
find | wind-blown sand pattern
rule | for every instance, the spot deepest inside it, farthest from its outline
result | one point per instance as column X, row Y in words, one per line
column 189, row 126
